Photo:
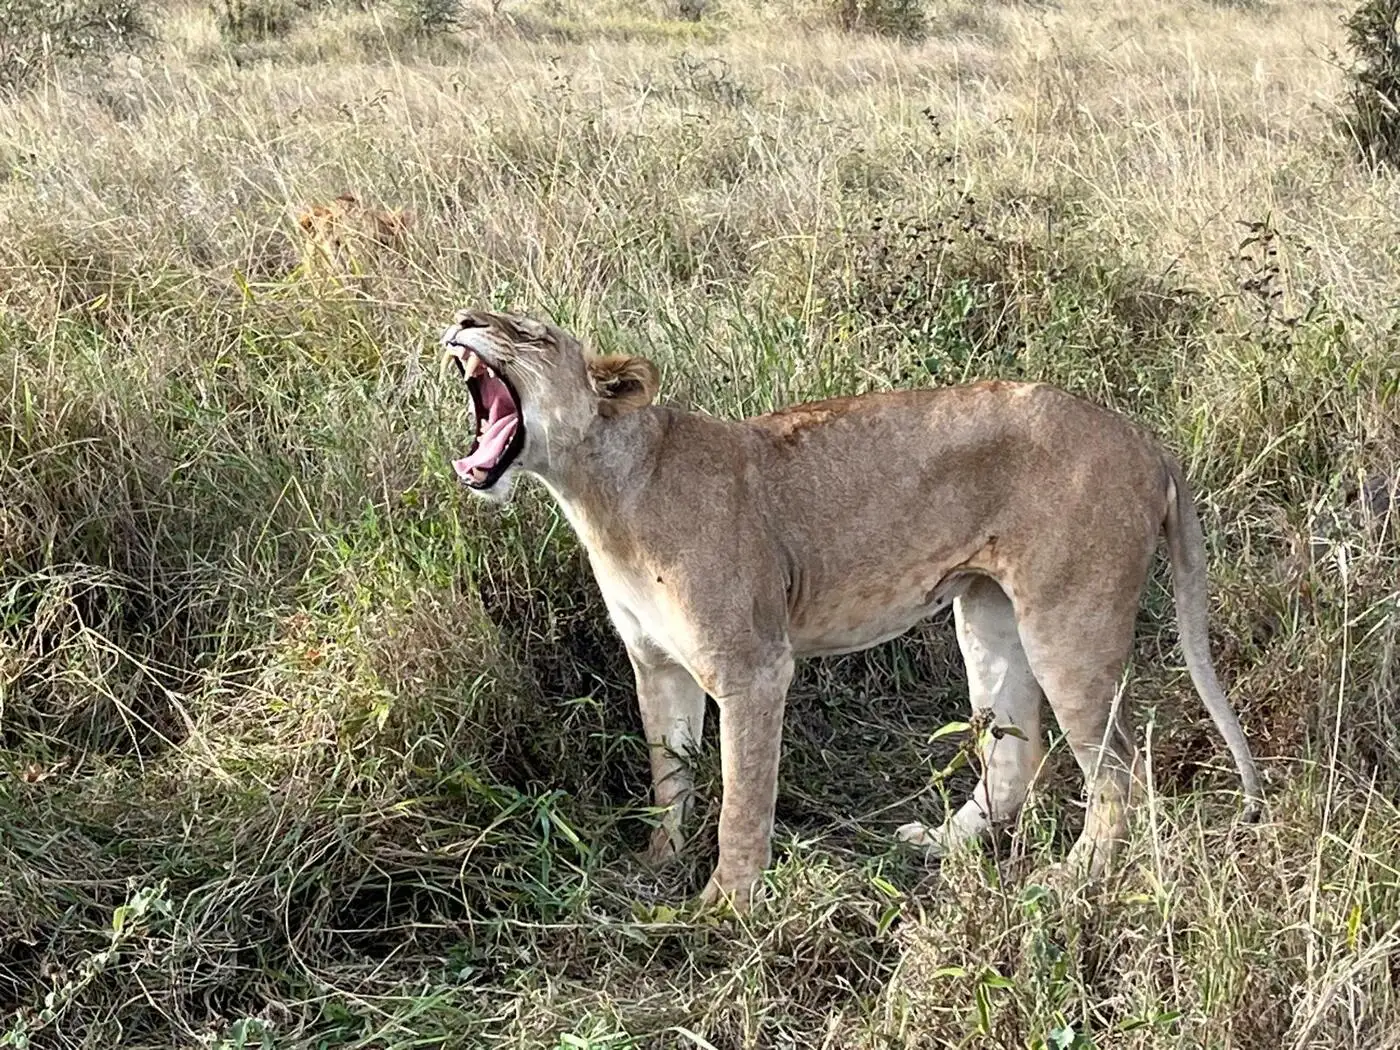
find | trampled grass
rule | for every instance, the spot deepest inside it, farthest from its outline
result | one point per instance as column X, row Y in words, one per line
column 301, row 748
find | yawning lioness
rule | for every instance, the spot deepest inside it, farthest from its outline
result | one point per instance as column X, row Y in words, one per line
column 726, row 549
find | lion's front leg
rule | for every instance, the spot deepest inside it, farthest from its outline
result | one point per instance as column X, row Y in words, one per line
column 673, row 718
column 751, row 730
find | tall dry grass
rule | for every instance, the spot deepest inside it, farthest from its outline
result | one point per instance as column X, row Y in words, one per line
column 299, row 748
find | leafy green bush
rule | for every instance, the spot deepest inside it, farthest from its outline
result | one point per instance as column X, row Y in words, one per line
column 1374, row 95
column 905, row 19
column 36, row 33
column 242, row 21
column 430, row 17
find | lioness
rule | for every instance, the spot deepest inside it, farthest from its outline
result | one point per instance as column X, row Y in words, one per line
column 340, row 234
column 726, row 549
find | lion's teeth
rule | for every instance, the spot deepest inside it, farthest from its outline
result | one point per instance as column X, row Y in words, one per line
column 478, row 340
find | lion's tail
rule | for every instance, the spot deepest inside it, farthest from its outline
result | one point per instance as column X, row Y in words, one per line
column 1186, row 544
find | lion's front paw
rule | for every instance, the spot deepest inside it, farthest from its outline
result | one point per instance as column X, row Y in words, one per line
column 738, row 892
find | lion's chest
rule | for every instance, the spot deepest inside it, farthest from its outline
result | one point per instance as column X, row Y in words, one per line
column 646, row 612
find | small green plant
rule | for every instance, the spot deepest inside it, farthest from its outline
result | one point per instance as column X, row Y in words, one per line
column 935, row 287
column 36, row 33
column 903, row 19
column 130, row 923
column 1373, row 35
column 709, row 80
column 247, row 1033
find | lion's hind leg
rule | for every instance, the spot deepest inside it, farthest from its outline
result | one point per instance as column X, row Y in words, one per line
column 999, row 681
column 1078, row 650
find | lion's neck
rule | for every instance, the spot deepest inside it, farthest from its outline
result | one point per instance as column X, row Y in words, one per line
column 602, row 475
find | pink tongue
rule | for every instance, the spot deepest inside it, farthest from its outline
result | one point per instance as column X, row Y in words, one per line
column 500, row 426
column 490, row 447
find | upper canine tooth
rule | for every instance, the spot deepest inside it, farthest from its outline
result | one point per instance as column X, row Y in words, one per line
column 477, row 340
column 473, row 365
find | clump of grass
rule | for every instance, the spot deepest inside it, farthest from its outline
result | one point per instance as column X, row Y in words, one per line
column 940, row 295
column 1373, row 120
column 35, row 34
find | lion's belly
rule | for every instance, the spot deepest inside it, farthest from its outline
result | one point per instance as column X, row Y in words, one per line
column 858, row 616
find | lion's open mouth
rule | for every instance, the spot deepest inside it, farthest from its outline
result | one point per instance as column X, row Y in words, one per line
column 500, row 430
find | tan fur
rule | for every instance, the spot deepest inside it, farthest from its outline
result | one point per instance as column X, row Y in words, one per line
column 344, row 236
column 726, row 549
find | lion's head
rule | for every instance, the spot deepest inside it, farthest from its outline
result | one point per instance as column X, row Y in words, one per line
column 342, row 235
column 537, row 393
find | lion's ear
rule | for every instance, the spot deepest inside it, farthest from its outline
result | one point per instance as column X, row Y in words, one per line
column 623, row 382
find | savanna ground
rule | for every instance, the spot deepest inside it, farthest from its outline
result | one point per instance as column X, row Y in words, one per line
column 300, row 747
